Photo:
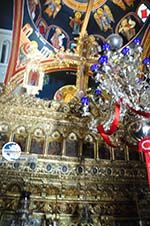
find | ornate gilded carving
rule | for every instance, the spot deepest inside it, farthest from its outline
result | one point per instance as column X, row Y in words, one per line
column 62, row 184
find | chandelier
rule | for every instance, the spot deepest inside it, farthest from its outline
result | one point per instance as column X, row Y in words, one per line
column 122, row 80
column 124, row 76
column 121, row 77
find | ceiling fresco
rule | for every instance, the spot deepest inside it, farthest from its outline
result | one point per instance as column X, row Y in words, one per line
column 60, row 22
column 52, row 27
column 82, row 5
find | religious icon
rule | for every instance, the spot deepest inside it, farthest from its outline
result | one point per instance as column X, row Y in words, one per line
column 33, row 78
column 88, row 150
column 27, row 50
column 104, row 18
column 127, row 28
column 57, row 38
column 75, row 23
column 65, row 93
column 59, row 96
column 21, row 140
column 55, row 147
column 104, row 152
column 72, row 147
column 37, row 145
column 53, row 7
column 119, row 154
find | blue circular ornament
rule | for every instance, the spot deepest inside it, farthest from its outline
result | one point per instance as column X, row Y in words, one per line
column 106, row 46
column 98, row 92
column 94, row 67
column 85, row 100
column 125, row 51
column 137, row 41
column 103, row 59
column 146, row 61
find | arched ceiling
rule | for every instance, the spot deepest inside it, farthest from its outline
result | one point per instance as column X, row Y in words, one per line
column 55, row 26
column 60, row 22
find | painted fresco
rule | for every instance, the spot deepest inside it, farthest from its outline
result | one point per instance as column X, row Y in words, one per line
column 59, row 22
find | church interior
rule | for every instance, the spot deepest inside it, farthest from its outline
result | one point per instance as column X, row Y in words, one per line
column 75, row 113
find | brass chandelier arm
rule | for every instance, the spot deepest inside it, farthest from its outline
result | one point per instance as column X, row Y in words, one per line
column 82, row 50
column 87, row 17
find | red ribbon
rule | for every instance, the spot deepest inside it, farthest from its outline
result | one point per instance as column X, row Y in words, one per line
column 105, row 136
column 142, row 113
column 144, row 146
column 113, row 126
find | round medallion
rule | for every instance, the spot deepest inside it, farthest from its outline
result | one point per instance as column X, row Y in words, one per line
column 94, row 170
column 109, row 171
column 122, row 172
column 49, row 168
column 64, row 169
column 81, row 5
column 32, row 165
column 80, row 169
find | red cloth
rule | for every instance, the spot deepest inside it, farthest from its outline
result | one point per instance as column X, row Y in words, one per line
column 113, row 126
column 144, row 146
column 147, row 158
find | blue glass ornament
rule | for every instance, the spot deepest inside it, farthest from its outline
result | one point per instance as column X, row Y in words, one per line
column 85, row 100
column 146, row 61
column 125, row 50
column 103, row 59
column 94, row 67
column 137, row 41
column 98, row 92
column 106, row 46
